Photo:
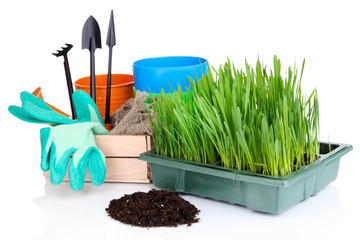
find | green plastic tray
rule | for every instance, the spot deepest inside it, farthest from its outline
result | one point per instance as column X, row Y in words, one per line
column 255, row 191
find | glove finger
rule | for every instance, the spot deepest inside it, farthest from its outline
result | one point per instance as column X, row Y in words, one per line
column 98, row 129
column 96, row 165
column 86, row 109
column 58, row 167
column 28, row 97
column 77, row 169
column 45, row 148
column 45, row 115
column 22, row 115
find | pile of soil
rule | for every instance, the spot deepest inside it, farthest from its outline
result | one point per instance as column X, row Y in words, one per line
column 153, row 209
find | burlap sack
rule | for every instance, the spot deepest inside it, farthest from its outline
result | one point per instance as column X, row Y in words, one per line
column 132, row 118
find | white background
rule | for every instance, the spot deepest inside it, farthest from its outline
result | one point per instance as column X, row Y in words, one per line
column 326, row 33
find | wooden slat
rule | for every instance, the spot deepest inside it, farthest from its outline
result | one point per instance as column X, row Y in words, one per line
column 148, row 143
column 120, row 170
column 121, row 146
column 126, row 170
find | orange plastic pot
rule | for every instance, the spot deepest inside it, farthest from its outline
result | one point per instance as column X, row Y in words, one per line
column 121, row 90
column 37, row 93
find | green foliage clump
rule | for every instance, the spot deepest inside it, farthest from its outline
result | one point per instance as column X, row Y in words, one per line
column 248, row 119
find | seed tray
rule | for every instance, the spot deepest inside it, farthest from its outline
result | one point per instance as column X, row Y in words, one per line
column 255, row 191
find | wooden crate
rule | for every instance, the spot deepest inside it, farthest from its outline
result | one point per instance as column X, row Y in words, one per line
column 122, row 158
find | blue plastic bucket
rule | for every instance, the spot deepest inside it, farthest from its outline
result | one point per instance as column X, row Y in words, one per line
column 157, row 73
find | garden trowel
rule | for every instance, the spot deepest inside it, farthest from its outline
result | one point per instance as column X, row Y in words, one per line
column 91, row 39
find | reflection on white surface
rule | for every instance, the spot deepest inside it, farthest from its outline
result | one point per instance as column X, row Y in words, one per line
column 71, row 213
column 80, row 215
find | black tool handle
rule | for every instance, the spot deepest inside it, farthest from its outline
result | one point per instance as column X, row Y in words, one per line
column 69, row 85
column 108, row 89
column 92, row 76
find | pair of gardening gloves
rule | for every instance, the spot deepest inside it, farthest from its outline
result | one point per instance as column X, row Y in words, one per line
column 66, row 138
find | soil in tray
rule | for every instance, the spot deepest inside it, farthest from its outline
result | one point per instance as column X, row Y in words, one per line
column 153, row 209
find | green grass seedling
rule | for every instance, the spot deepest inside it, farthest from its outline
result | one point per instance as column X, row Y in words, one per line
column 251, row 119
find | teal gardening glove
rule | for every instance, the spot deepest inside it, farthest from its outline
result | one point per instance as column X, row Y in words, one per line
column 67, row 137
column 35, row 110
column 60, row 142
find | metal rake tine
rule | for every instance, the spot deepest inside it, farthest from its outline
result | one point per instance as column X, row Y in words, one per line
column 64, row 50
column 68, row 47
column 57, row 53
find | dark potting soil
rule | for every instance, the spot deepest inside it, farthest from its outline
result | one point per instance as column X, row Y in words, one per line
column 153, row 209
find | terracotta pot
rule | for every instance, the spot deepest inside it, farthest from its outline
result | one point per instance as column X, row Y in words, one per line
column 121, row 90
column 37, row 93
